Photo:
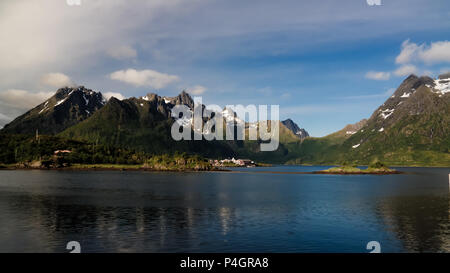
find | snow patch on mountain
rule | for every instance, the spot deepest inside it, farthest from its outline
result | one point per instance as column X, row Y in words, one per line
column 44, row 108
column 386, row 113
column 442, row 86
column 85, row 99
column 405, row 95
column 61, row 101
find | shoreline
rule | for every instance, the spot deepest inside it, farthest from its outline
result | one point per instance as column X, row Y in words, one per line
column 393, row 166
column 95, row 168
column 121, row 169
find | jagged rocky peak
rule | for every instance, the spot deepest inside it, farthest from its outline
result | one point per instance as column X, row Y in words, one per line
column 87, row 99
column 88, row 96
column 410, row 85
column 406, row 89
column 440, row 86
column 294, row 128
column 151, row 97
column 184, row 98
column 67, row 107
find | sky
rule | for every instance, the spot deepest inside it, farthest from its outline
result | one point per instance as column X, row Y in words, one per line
column 326, row 63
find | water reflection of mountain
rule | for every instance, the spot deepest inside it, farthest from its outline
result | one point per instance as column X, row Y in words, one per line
column 222, row 212
column 33, row 223
column 421, row 223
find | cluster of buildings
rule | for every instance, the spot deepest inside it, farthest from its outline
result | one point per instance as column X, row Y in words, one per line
column 59, row 152
column 233, row 161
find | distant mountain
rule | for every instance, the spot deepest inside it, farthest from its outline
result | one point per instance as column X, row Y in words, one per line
column 300, row 133
column 348, row 130
column 67, row 107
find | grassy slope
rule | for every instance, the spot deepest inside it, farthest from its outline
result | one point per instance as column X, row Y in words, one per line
column 413, row 139
column 125, row 125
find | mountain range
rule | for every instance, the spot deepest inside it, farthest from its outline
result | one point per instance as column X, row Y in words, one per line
column 410, row 128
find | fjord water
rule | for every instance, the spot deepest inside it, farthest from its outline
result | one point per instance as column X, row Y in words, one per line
column 248, row 211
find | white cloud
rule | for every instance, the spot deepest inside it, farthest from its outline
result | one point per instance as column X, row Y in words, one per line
column 14, row 102
column 22, row 99
column 406, row 70
column 436, row 52
column 408, row 53
column 122, row 52
column 146, row 77
column 197, row 90
column 117, row 95
column 53, row 36
column 379, row 76
column 56, row 80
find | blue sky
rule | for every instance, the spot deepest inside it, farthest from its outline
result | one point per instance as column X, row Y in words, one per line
column 326, row 63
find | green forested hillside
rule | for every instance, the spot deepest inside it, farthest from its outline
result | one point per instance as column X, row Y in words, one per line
column 410, row 128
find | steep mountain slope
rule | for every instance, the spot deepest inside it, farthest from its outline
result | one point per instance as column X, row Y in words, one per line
column 347, row 131
column 143, row 124
column 322, row 150
column 410, row 128
column 291, row 125
column 66, row 108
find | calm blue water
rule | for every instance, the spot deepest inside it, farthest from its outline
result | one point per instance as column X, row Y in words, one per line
column 112, row 211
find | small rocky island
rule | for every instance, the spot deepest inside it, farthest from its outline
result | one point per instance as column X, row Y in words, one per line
column 374, row 168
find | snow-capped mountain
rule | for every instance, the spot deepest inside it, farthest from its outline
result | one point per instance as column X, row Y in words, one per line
column 410, row 128
column 408, row 99
column 413, row 120
column 69, row 106
column 441, row 84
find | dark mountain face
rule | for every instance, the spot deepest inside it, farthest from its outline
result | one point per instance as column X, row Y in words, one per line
column 66, row 108
column 293, row 127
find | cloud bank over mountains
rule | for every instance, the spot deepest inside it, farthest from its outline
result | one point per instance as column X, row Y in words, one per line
column 145, row 77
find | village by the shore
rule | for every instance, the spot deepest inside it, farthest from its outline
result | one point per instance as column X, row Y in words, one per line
column 232, row 162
